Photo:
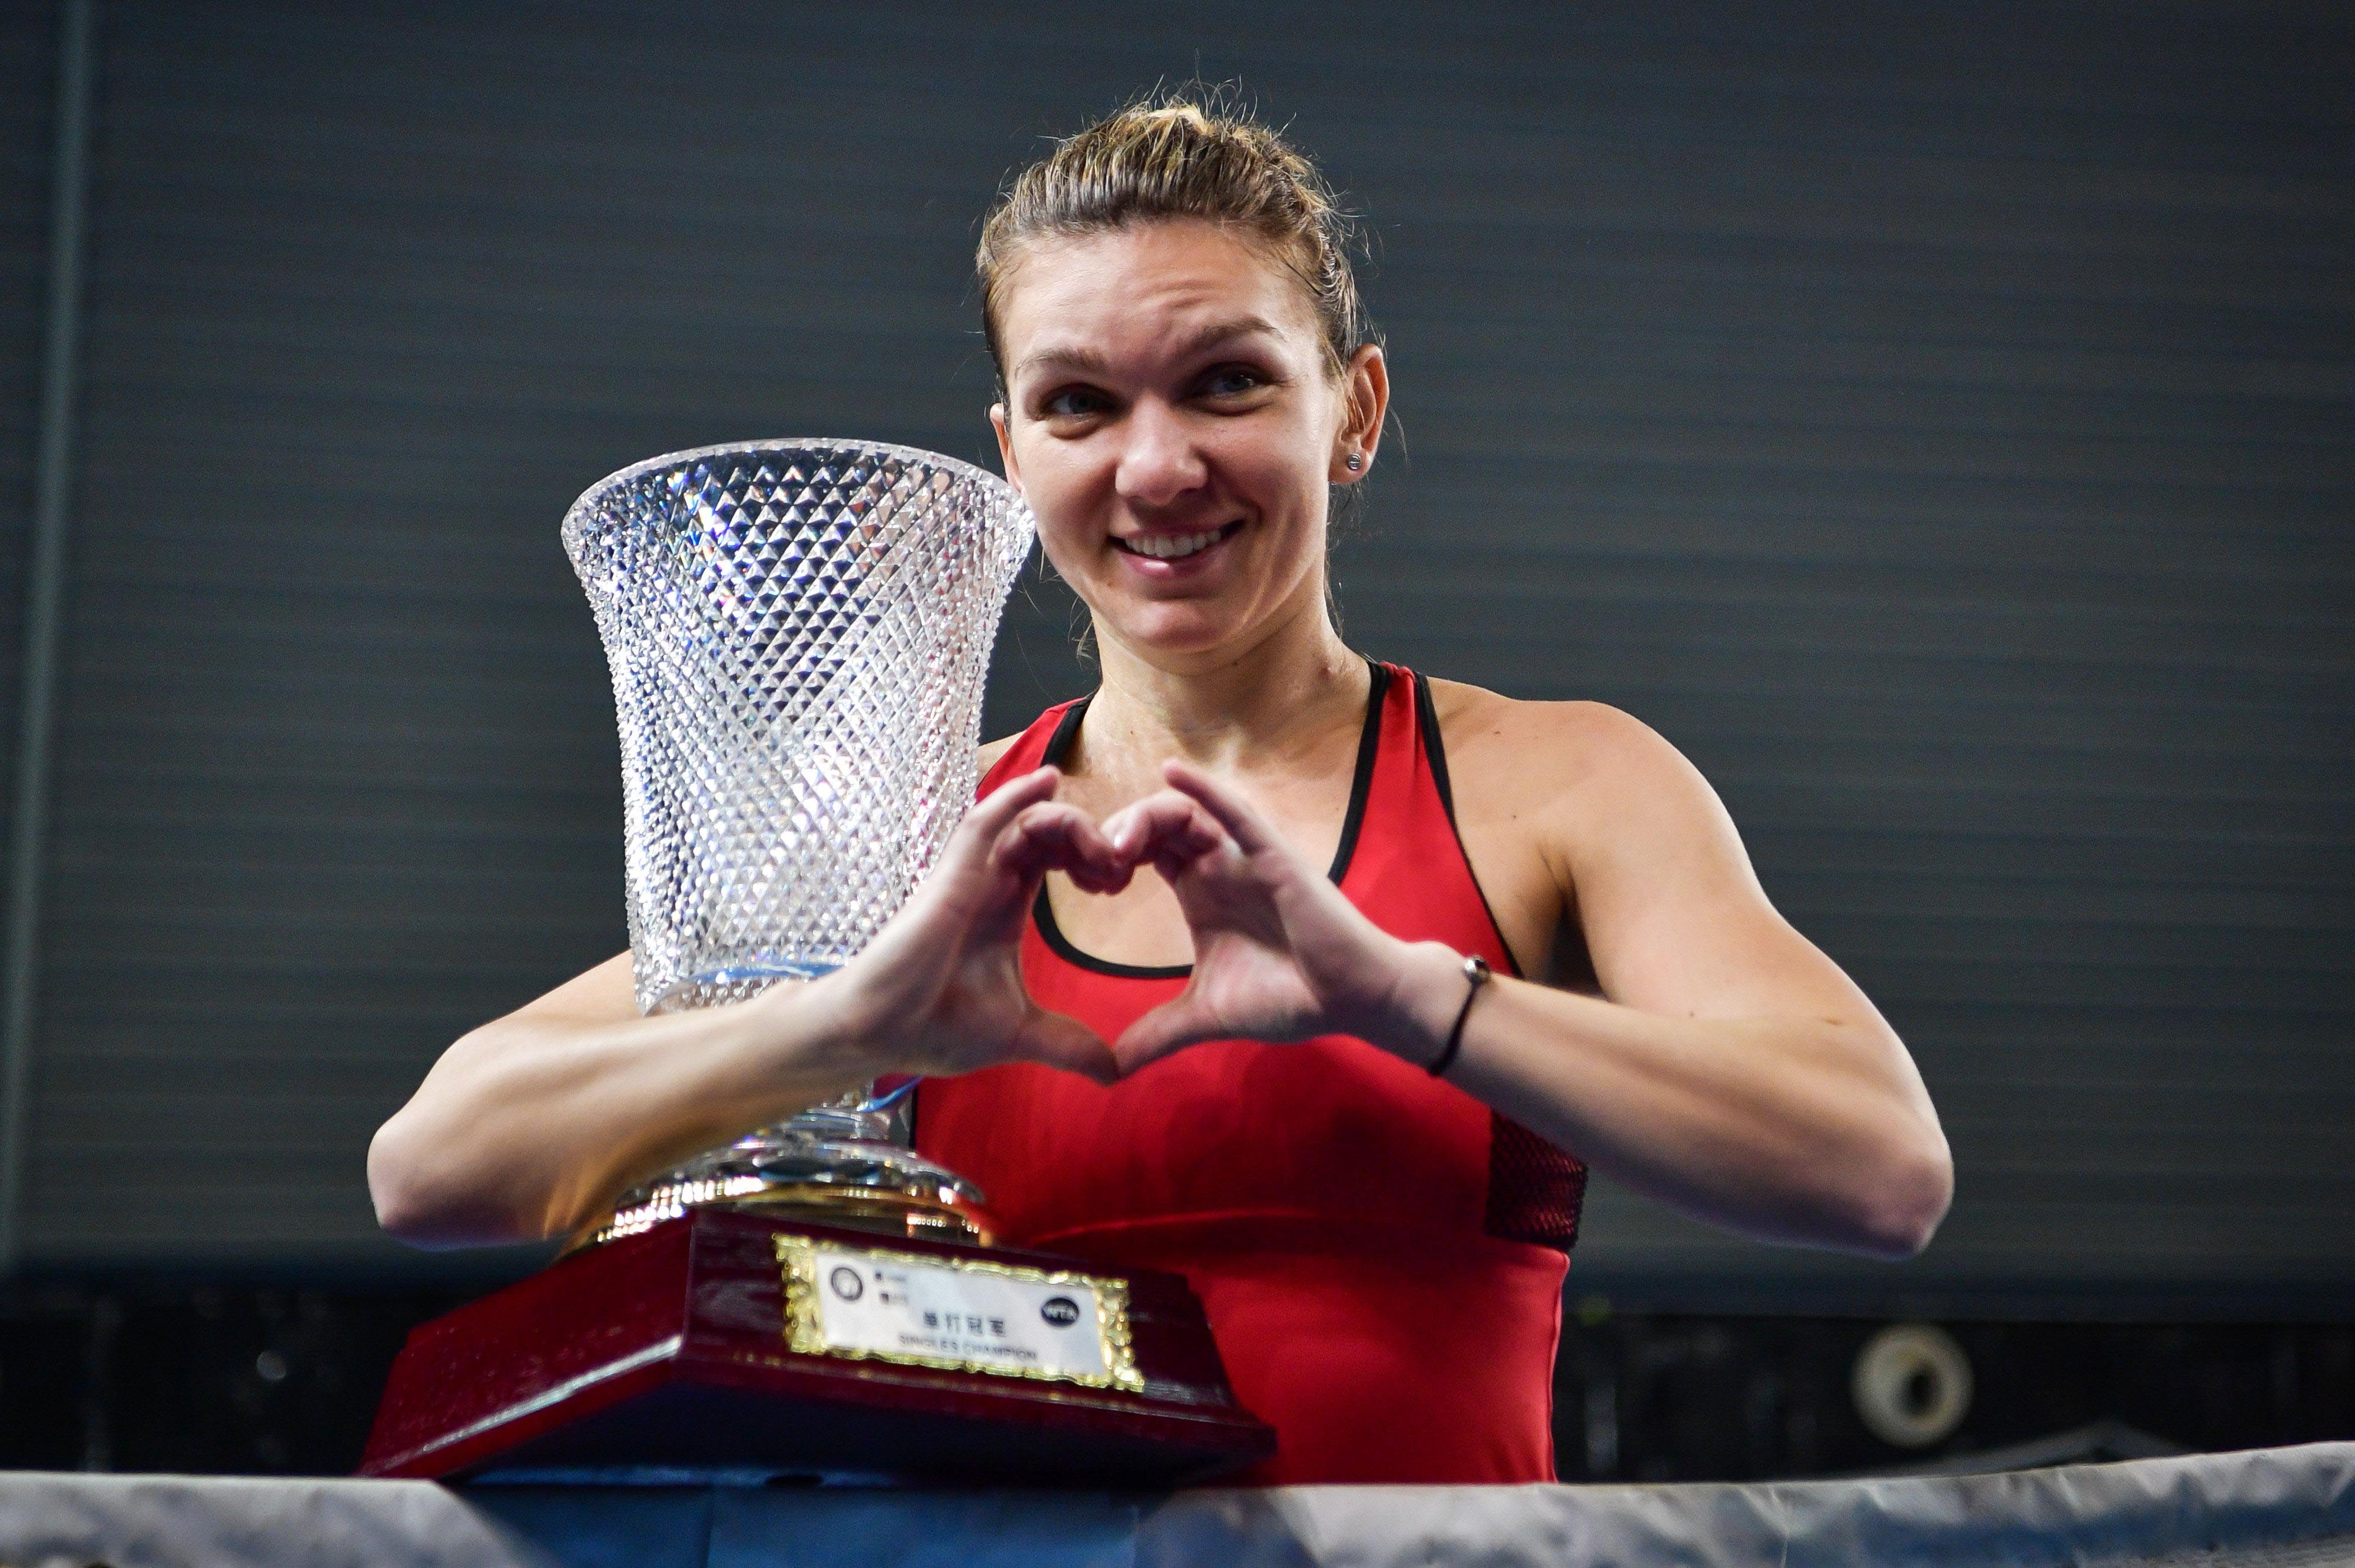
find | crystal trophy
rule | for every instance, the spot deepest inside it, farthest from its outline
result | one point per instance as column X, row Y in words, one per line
column 798, row 632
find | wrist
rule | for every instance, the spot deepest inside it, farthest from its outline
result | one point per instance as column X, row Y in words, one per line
column 1418, row 1009
column 832, row 1035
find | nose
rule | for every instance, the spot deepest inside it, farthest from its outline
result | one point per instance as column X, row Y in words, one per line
column 1160, row 461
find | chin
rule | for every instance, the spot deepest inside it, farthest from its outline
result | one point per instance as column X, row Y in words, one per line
column 1175, row 630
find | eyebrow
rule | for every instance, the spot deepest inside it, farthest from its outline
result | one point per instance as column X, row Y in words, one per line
column 1094, row 363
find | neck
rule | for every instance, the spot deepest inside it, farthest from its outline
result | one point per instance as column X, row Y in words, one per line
column 1228, row 710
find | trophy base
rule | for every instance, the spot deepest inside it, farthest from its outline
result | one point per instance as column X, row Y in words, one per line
column 833, row 1165
column 879, row 1187
column 735, row 1345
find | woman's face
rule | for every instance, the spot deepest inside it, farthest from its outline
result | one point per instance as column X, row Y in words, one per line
column 1170, row 420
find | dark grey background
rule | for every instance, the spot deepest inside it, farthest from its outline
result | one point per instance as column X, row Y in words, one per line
column 1935, row 421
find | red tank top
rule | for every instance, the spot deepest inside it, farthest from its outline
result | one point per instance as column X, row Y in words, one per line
column 1380, row 1255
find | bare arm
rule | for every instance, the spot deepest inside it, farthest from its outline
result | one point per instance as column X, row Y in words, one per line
column 1734, row 1071
column 531, row 1125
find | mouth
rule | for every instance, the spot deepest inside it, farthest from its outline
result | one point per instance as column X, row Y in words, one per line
column 1172, row 548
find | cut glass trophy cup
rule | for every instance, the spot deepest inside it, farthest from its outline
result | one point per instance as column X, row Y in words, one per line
column 798, row 632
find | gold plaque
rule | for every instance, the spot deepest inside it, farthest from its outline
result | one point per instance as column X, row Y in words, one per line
column 966, row 1314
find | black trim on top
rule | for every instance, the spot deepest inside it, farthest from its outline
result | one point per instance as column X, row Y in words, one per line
column 1426, row 718
column 1059, row 746
column 1066, row 730
column 1361, row 782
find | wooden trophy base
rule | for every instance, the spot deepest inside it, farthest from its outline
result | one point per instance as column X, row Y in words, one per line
column 730, row 1345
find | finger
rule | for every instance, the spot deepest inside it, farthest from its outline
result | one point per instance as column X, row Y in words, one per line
column 1174, row 835
column 951, row 879
column 1169, row 1028
column 1226, row 802
column 988, row 817
column 1162, row 825
column 1049, row 834
column 1061, row 1040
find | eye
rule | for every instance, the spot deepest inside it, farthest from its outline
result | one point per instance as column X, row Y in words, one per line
column 1070, row 402
column 1233, row 381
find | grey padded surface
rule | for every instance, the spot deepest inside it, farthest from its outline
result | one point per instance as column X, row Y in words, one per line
column 2276, row 1507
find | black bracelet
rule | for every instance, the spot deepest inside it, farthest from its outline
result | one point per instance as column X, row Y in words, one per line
column 1477, row 970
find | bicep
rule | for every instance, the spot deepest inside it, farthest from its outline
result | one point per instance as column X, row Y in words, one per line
column 595, row 998
column 1671, row 908
column 604, row 995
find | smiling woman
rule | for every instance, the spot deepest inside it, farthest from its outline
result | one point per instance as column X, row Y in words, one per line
column 1203, row 981
column 1257, row 287
column 1173, row 376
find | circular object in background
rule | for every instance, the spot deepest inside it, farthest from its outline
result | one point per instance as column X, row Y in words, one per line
column 1912, row 1384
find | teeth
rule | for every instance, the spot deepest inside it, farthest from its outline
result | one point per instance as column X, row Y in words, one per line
column 1171, row 548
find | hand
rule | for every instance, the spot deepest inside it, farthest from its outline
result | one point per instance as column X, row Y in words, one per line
column 940, row 988
column 1280, row 952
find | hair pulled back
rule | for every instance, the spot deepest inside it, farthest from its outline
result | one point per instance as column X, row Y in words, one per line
column 1180, row 156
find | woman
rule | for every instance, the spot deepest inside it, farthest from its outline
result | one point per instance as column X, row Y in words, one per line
column 1193, row 981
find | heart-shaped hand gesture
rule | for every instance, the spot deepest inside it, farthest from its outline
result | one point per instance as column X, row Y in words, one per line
column 942, row 980
column 1280, row 952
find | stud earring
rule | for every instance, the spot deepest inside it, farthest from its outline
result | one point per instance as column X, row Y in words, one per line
column 1355, row 462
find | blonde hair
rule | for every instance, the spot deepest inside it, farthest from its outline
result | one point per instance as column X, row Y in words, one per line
column 1182, row 156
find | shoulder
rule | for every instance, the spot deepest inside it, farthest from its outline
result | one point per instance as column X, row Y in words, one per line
column 992, row 750
column 1575, row 745
column 1581, row 774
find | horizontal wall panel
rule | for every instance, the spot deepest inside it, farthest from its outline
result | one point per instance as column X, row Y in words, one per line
column 28, row 66
column 1941, row 425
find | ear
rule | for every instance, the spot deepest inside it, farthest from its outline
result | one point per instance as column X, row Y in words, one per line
column 1005, row 446
column 1365, row 399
